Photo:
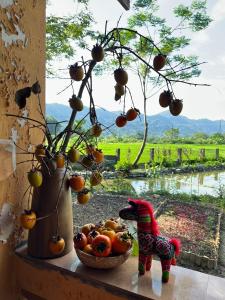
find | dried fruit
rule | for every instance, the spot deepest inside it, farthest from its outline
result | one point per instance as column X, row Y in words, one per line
column 119, row 90
column 132, row 114
column 159, row 62
column 36, row 88
column 28, row 219
column 98, row 156
column 39, row 152
column 76, row 103
column 97, row 53
column 121, row 121
column 165, row 98
column 88, row 161
column 73, row 155
column 60, row 160
column 96, row 130
column 96, row 178
column 35, row 178
column 83, row 196
column 176, row 107
column 76, row 72
column 121, row 76
column 56, row 245
column 21, row 95
column 77, row 182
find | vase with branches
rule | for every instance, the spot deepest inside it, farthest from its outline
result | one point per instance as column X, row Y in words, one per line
column 48, row 215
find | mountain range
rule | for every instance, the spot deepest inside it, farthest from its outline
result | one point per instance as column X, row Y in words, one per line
column 157, row 124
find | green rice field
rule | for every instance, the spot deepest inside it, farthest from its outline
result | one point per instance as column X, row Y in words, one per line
column 168, row 152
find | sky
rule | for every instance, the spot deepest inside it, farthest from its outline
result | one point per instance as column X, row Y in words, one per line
column 209, row 45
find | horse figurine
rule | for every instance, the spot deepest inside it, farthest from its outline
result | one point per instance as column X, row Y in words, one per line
column 149, row 240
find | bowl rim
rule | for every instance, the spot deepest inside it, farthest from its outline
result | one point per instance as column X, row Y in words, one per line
column 128, row 252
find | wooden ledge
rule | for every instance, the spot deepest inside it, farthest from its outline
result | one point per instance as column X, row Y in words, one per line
column 66, row 278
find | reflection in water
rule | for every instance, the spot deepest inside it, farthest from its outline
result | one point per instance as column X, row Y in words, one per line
column 198, row 183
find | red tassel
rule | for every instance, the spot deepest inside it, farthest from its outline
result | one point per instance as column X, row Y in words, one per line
column 173, row 261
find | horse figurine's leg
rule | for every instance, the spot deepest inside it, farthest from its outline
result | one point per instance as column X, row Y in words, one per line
column 144, row 264
column 148, row 263
column 165, row 263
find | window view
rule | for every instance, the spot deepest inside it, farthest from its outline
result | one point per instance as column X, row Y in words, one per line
column 162, row 140
column 112, row 148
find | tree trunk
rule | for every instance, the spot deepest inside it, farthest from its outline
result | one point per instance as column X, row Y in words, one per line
column 144, row 138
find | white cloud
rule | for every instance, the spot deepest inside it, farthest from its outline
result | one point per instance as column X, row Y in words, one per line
column 218, row 11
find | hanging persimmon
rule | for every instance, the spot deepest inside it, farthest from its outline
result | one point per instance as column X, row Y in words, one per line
column 76, row 72
column 98, row 156
column 39, row 152
column 159, row 62
column 87, row 161
column 121, row 121
column 76, row 103
column 176, row 107
column 77, row 182
column 119, row 89
column 96, row 178
column 165, row 98
column 56, row 245
column 83, row 196
column 121, row 76
column 35, row 178
column 132, row 114
column 28, row 219
column 73, row 155
column 97, row 53
column 60, row 160
column 96, row 130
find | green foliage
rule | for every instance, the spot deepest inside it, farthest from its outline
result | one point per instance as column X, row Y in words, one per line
column 172, row 134
column 124, row 166
column 195, row 15
column 62, row 31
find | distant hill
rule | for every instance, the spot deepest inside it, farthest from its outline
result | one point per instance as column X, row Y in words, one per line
column 157, row 123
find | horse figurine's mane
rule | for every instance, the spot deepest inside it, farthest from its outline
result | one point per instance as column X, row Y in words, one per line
column 154, row 224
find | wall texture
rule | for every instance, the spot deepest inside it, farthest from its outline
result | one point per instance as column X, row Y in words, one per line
column 22, row 62
column 41, row 283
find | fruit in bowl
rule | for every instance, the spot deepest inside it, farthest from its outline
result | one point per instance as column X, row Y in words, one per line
column 103, row 246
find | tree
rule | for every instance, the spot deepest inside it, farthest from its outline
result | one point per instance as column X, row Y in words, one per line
column 170, row 42
column 172, row 134
column 135, row 50
column 65, row 34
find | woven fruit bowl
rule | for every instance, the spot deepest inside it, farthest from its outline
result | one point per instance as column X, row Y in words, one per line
column 108, row 262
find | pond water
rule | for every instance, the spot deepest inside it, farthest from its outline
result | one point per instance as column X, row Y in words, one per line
column 211, row 183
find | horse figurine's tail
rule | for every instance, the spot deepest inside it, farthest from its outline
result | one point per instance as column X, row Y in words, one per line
column 177, row 245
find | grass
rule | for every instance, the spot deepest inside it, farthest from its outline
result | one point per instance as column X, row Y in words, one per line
column 162, row 151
